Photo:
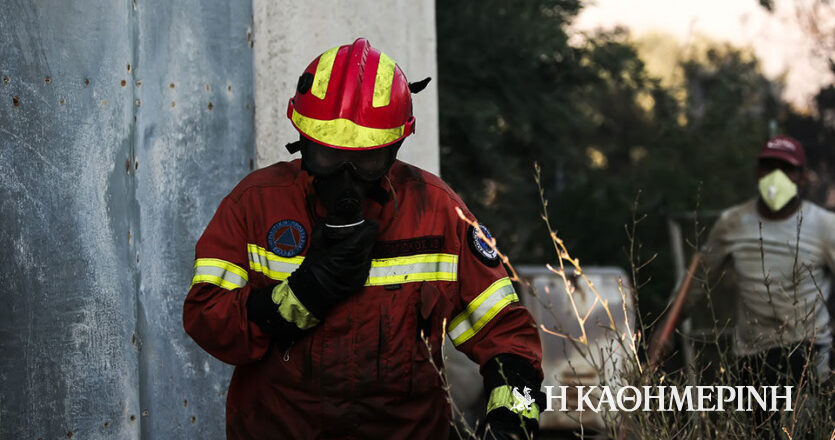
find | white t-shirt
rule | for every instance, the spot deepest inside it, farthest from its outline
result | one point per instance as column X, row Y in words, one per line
column 784, row 274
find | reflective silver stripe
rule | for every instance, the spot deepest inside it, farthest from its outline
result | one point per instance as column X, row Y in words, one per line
column 270, row 264
column 384, row 271
column 414, row 268
column 218, row 272
column 481, row 310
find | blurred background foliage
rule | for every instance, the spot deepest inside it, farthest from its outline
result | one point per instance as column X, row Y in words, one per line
column 606, row 116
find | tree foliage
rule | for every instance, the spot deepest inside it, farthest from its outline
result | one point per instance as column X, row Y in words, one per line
column 516, row 88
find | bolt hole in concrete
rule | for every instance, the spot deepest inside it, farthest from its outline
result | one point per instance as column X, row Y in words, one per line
column 193, row 419
column 106, row 424
column 128, row 67
column 16, row 101
column 86, row 82
column 127, row 166
column 228, row 88
column 61, row 101
column 136, row 165
column 145, row 413
column 124, row 83
column 69, row 434
column 6, row 79
column 47, row 80
column 132, row 417
column 211, row 106
column 171, row 86
column 185, row 403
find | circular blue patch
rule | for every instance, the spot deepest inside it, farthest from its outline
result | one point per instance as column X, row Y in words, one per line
column 287, row 238
column 481, row 249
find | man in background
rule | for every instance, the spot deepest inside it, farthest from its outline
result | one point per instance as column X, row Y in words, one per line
column 782, row 251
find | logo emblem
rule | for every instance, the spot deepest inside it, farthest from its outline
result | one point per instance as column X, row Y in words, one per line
column 781, row 144
column 523, row 403
column 287, row 238
column 481, row 249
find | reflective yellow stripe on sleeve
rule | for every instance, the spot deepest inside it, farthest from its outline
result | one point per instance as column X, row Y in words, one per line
column 270, row 264
column 512, row 399
column 481, row 310
column 218, row 272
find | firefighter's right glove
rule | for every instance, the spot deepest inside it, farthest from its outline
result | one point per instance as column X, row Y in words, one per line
column 331, row 272
column 515, row 399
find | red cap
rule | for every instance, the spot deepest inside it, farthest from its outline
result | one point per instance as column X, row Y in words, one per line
column 784, row 148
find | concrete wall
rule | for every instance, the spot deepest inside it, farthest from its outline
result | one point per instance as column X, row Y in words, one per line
column 122, row 125
column 290, row 34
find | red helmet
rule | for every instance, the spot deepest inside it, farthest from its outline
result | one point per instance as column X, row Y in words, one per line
column 353, row 97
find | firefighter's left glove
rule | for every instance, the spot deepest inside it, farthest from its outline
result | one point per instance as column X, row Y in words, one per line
column 333, row 271
column 514, row 399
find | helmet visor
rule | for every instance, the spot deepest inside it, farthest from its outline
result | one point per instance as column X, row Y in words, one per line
column 367, row 164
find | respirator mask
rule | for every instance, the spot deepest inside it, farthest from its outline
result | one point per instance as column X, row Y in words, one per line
column 343, row 179
column 777, row 190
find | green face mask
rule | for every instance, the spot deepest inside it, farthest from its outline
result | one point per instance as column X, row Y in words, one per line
column 776, row 190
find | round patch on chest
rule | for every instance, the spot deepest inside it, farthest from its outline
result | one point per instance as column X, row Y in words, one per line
column 287, row 238
column 480, row 248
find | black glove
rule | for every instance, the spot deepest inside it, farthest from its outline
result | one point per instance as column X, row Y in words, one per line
column 332, row 271
column 501, row 423
column 261, row 310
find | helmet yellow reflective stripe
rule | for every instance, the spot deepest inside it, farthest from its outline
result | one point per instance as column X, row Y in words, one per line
column 343, row 133
column 323, row 73
column 383, row 81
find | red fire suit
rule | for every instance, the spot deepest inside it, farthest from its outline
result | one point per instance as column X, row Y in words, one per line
column 363, row 372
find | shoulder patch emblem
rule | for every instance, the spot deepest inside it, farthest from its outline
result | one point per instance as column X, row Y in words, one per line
column 287, row 238
column 480, row 248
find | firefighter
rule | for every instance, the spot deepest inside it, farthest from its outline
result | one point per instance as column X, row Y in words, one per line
column 329, row 281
